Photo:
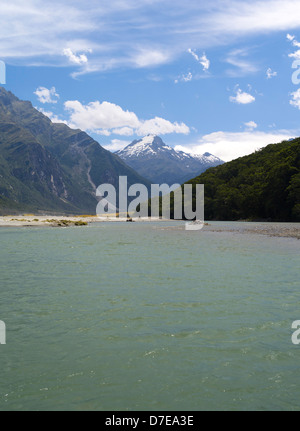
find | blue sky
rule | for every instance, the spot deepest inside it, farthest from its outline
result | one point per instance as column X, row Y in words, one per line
column 204, row 76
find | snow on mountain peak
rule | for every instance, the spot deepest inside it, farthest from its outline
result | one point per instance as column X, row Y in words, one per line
column 153, row 146
column 149, row 139
column 149, row 145
column 160, row 163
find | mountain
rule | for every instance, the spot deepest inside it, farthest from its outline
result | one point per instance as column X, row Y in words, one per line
column 49, row 167
column 262, row 186
column 158, row 162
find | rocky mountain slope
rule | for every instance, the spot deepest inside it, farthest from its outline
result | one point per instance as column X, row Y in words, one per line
column 49, row 167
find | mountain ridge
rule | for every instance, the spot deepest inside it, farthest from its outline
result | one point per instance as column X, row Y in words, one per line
column 47, row 166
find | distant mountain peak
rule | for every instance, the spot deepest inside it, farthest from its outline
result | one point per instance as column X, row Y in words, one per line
column 161, row 163
column 149, row 145
column 149, row 138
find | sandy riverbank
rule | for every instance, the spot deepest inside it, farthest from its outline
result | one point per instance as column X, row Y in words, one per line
column 29, row 220
column 54, row 221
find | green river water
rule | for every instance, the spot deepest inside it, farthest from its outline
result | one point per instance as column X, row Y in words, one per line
column 148, row 316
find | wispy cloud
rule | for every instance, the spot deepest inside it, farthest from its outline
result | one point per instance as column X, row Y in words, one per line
column 184, row 78
column 149, row 57
column 242, row 66
column 203, row 60
column 253, row 17
column 270, row 73
column 37, row 33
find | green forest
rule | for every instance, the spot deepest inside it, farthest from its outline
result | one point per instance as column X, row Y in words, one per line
column 262, row 186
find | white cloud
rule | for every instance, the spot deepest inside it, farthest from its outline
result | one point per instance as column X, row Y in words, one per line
column 231, row 145
column 293, row 40
column 46, row 96
column 203, row 60
column 159, row 126
column 295, row 54
column 96, row 115
column 251, row 125
column 102, row 132
column 242, row 98
column 123, row 131
column 295, row 101
column 295, row 43
column 270, row 73
column 116, row 145
column 106, row 118
column 53, row 117
column 75, row 59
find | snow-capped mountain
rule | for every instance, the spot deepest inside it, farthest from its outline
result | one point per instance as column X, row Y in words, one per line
column 160, row 163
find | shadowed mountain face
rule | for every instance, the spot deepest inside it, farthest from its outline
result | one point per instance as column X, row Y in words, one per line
column 158, row 162
column 50, row 167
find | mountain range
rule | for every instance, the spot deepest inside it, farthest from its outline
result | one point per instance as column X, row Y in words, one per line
column 50, row 167
column 160, row 163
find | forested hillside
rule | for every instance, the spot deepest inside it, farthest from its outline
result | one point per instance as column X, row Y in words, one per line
column 262, row 186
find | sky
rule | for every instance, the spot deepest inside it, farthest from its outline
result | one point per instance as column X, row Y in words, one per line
column 220, row 77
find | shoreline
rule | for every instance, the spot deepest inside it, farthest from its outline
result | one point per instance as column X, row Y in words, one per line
column 32, row 220
column 279, row 230
column 271, row 229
